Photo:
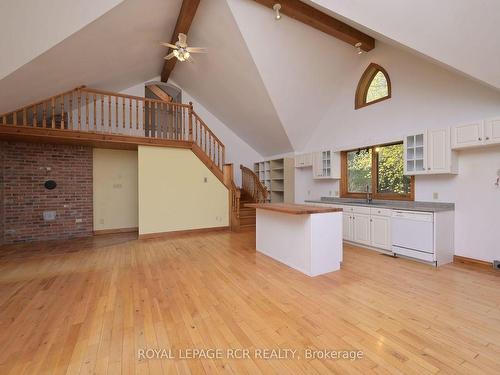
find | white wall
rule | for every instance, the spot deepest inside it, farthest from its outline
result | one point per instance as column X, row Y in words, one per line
column 425, row 95
column 237, row 151
column 30, row 27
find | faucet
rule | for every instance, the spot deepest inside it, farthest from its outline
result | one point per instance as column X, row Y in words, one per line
column 368, row 195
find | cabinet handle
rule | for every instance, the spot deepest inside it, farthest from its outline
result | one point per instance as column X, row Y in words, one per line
column 487, row 138
column 429, row 168
column 480, row 139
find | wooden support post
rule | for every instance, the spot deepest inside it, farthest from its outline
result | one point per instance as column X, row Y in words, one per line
column 190, row 122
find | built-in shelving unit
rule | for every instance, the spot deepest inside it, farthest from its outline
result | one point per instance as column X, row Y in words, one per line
column 277, row 176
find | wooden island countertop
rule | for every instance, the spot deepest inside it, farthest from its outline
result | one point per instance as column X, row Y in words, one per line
column 293, row 209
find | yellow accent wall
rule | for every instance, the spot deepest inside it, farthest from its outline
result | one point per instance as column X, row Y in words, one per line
column 173, row 194
column 115, row 189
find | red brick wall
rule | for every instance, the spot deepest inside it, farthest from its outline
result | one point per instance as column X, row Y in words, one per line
column 25, row 170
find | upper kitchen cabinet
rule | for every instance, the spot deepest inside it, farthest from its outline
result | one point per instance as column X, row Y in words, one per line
column 303, row 160
column 326, row 164
column 480, row 133
column 429, row 152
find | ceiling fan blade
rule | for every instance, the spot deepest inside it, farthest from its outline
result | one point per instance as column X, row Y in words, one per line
column 196, row 50
column 182, row 40
column 169, row 56
column 168, row 45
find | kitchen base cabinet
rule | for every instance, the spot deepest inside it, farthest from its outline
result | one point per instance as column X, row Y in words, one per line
column 361, row 229
column 380, row 232
column 347, row 226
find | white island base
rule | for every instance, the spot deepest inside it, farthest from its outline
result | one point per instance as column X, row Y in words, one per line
column 308, row 240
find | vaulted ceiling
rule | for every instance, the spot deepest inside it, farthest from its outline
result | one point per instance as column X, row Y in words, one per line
column 271, row 82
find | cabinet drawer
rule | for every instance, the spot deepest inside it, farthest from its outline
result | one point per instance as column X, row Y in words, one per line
column 381, row 211
column 357, row 209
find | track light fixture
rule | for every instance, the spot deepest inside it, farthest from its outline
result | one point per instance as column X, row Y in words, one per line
column 277, row 8
column 358, row 47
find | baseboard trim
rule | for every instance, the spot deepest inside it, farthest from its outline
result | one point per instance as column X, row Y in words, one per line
column 178, row 233
column 472, row 261
column 115, row 231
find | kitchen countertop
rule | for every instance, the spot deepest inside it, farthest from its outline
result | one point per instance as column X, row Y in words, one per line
column 393, row 205
column 294, row 209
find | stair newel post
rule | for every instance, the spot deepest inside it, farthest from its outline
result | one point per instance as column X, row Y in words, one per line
column 190, row 122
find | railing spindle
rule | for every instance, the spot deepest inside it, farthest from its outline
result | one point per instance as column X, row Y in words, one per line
column 116, row 113
column 79, row 97
column 44, row 115
column 123, row 113
column 62, row 125
column 130, row 114
column 109, row 114
column 102, row 112
column 71, row 111
column 94, row 98
column 86, row 111
column 53, row 112
column 137, row 114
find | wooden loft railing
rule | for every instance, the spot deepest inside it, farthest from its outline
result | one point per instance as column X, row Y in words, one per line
column 84, row 111
column 251, row 186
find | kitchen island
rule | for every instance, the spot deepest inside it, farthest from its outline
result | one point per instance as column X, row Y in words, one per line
column 304, row 237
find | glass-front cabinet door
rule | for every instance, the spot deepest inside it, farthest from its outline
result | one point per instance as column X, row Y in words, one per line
column 415, row 154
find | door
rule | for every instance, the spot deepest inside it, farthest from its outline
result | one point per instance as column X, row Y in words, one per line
column 415, row 154
column 469, row 135
column 361, row 224
column 439, row 152
column 492, row 131
column 347, row 226
column 380, row 232
column 317, row 165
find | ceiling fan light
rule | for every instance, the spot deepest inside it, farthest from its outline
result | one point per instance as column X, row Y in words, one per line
column 176, row 53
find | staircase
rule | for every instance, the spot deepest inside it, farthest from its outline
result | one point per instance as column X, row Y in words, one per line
column 251, row 191
column 247, row 214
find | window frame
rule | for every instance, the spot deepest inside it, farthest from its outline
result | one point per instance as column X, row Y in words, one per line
column 364, row 84
column 344, row 193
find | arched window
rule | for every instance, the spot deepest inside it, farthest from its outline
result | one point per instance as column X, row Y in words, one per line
column 373, row 87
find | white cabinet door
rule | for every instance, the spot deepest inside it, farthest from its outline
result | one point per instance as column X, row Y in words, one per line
column 469, row 135
column 361, row 224
column 317, row 165
column 347, row 226
column 439, row 152
column 380, row 232
column 492, row 131
column 335, row 165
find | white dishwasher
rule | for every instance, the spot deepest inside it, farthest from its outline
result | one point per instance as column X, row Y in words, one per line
column 413, row 234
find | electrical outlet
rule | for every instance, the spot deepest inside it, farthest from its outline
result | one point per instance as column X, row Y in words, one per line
column 205, row 179
column 117, row 186
column 435, row 195
column 496, row 265
column 79, row 220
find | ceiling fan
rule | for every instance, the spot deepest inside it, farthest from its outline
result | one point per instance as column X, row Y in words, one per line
column 181, row 50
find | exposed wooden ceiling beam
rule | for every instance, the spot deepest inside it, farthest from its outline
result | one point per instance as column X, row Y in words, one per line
column 186, row 15
column 323, row 22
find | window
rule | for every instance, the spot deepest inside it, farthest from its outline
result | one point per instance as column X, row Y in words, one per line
column 378, row 170
column 373, row 87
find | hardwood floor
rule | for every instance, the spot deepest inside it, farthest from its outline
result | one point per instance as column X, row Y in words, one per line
column 88, row 306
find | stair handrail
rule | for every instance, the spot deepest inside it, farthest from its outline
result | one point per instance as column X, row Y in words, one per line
column 252, row 186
